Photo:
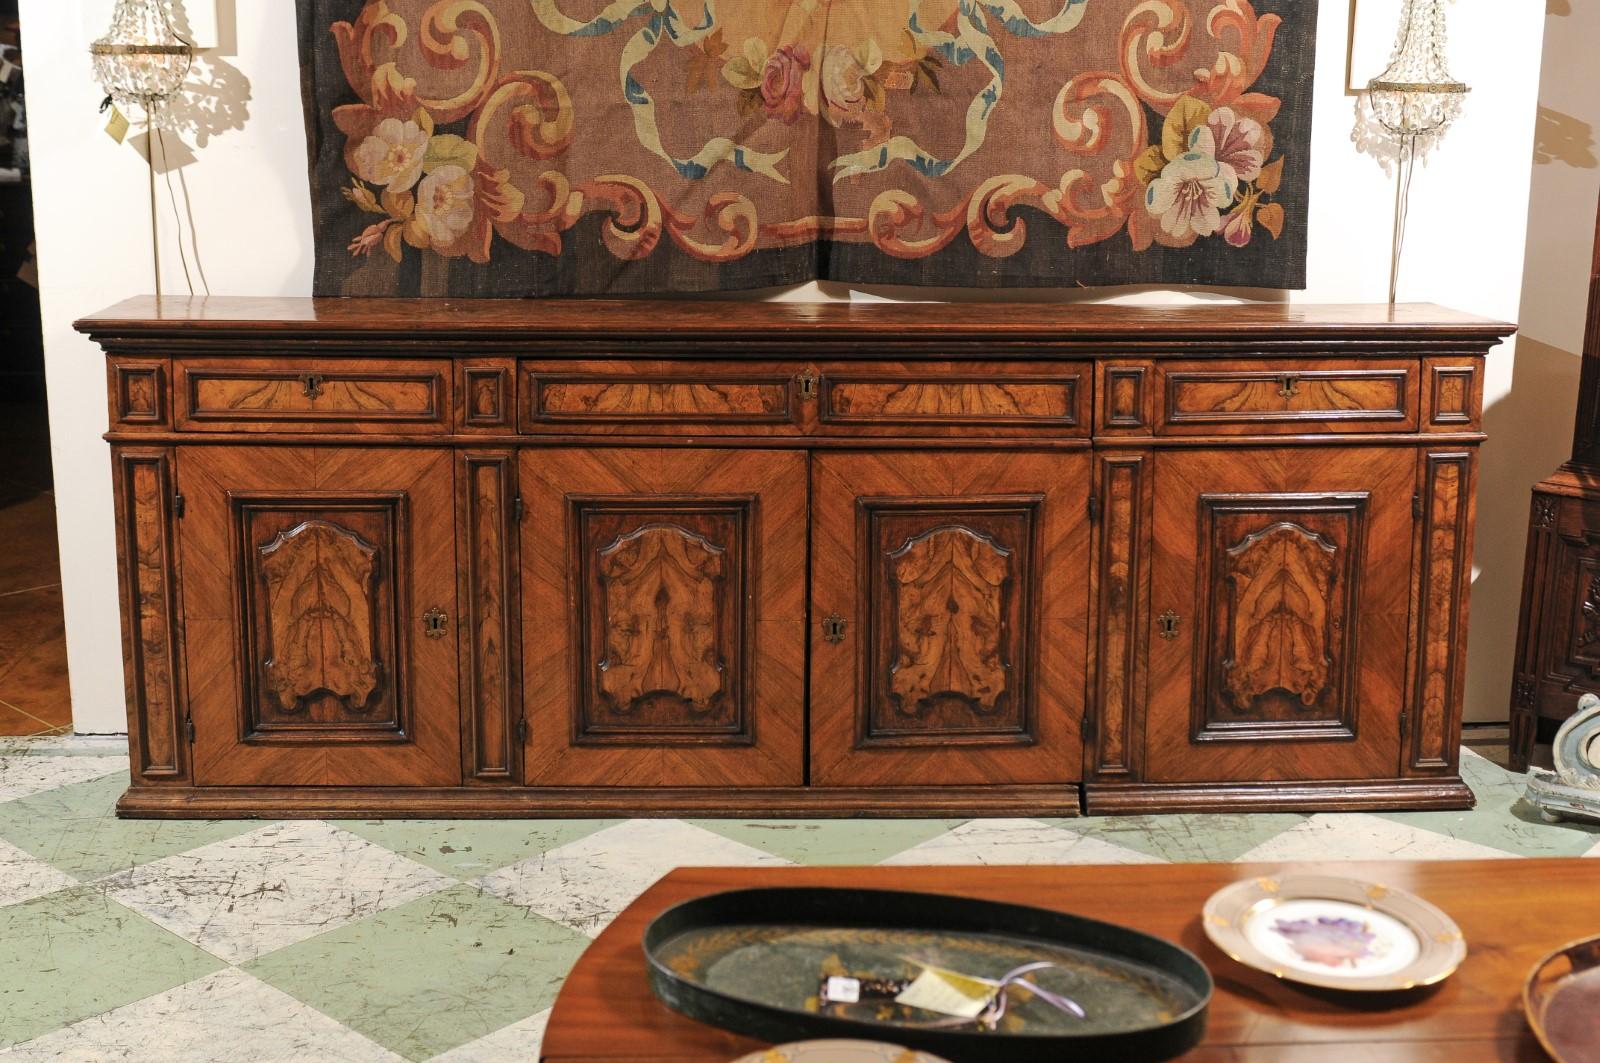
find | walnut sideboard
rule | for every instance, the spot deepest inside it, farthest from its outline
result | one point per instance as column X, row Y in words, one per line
column 426, row 557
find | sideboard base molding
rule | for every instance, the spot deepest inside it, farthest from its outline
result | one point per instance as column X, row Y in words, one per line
column 1442, row 794
column 467, row 802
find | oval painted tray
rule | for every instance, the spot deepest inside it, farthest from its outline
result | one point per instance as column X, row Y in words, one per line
column 752, row 961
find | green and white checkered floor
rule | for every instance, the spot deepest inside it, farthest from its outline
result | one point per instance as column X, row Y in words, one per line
column 447, row 940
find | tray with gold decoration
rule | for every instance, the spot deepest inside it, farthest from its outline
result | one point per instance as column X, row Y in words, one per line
column 965, row 979
column 1335, row 932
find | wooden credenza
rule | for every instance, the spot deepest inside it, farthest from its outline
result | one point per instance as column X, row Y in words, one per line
column 623, row 557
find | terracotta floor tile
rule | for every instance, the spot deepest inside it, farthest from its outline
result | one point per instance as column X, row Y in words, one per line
column 36, row 681
column 14, row 722
column 28, row 530
column 28, row 619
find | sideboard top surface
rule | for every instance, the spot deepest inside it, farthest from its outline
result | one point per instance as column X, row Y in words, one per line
column 545, row 320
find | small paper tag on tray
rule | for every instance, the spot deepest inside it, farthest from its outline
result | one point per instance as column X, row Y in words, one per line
column 839, row 990
column 948, row 993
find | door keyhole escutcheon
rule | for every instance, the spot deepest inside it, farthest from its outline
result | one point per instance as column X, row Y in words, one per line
column 435, row 623
column 1167, row 623
column 833, row 628
column 311, row 385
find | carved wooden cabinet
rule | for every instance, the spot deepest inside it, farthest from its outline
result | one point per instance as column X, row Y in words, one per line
column 598, row 558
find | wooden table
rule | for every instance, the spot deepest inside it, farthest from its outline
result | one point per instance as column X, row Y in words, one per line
column 1513, row 912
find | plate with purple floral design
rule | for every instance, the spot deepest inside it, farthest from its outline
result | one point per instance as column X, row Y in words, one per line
column 1334, row 932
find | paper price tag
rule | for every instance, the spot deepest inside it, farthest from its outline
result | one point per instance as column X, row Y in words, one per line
column 948, row 993
column 842, row 991
column 117, row 128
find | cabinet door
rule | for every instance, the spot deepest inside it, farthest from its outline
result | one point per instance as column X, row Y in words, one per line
column 318, row 603
column 950, row 597
column 664, row 617
column 1280, row 598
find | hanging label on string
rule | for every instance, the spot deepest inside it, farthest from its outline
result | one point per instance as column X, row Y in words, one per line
column 117, row 128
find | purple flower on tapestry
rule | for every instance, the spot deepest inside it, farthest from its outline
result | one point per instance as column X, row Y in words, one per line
column 1233, row 140
column 1330, row 941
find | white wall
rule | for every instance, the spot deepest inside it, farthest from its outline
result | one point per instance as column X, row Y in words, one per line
column 252, row 217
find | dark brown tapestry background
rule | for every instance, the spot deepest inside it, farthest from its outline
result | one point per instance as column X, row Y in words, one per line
column 550, row 147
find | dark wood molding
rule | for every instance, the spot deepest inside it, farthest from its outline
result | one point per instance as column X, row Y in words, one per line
column 1118, row 799
column 301, row 802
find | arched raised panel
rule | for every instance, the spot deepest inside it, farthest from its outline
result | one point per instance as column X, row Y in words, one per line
column 320, row 621
column 663, row 596
column 1283, row 617
column 952, row 622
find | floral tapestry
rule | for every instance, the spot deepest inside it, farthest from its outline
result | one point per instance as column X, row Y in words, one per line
column 576, row 147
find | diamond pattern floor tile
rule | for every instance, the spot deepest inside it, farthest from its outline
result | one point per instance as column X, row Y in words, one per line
column 22, row 878
column 282, row 883
column 1016, row 841
column 520, row 1040
column 75, row 829
column 834, row 842
column 1358, row 836
column 1502, row 819
column 226, row 1017
column 83, row 954
column 1185, row 839
column 24, row 775
column 433, row 974
column 447, row 940
column 585, row 884
column 470, row 848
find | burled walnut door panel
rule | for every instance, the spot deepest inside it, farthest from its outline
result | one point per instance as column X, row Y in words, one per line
column 962, row 584
column 319, row 594
column 664, row 617
column 1279, row 609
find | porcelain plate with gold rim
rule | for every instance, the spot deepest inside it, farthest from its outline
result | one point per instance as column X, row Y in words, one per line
column 1334, row 932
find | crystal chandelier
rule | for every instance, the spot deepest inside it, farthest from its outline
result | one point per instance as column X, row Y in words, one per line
column 1416, row 96
column 1415, row 100
column 141, row 60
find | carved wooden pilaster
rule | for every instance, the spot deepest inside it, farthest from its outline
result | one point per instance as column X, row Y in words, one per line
column 487, row 503
column 1122, row 597
column 146, row 569
column 1446, row 499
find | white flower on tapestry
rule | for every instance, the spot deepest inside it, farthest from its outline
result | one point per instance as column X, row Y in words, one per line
column 844, row 79
column 445, row 204
column 392, row 156
column 1210, row 176
column 1190, row 194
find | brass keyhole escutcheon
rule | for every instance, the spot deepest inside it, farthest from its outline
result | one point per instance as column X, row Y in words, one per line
column 833, row 628
column 1168, row 623
column 808, row 385
column 1288, row 386
column 311, row 385
column 435, row 623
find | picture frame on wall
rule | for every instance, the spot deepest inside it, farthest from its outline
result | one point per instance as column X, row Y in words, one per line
column 1372, row 33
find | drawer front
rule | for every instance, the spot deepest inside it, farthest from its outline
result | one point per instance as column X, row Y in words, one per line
column 930, row 398
column 290, row 395
column 1277, row 398
column 604, row 397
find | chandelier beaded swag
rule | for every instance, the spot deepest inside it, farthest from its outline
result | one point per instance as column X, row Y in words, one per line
column 141, row 59
column 1416, row 96
column 1415, row 99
